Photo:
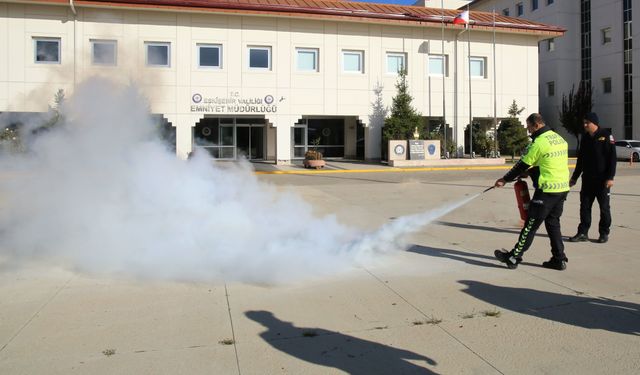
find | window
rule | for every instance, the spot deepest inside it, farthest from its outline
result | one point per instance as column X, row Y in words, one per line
column 606, row 85
column 157, row 54
column 352, row 61
column 549, row 2
column 505, row 12
column 551, row 88
column 103, row 52
column 260, row 58
column 551, row 44
column 606, row 35
column 396, row 62
column 438, row 65
column 210, row 56
column 47, row 50
column 307, row 59
column 477, row 67
column 519, row 9
column 534, row 4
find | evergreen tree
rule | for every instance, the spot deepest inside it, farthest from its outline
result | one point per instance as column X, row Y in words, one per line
column 574, row 107
column 404, row 118
column 512, row 135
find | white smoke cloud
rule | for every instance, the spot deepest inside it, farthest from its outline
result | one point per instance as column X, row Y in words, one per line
column 102, row 194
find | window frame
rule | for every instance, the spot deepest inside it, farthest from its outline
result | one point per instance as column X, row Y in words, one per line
column 269, row 50
column 157, row 44
column 549, row 2
column 316, row 59
column 404, row 57
column 445, row 65
column 551, row 89
column 218, row 46
column 37, row 39
column 113, row 42
column 360, row 53
column 534, row 5
column 551, row 44
column 605, row 81
column 506, row 12
column 605, row 35
column 519, row 9
column 484, row 67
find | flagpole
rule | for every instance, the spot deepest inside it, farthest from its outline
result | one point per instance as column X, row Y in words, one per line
column 470, row 108
column 444, row 76
column 495, row 100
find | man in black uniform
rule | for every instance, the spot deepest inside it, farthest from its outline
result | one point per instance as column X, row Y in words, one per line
column 597, row 164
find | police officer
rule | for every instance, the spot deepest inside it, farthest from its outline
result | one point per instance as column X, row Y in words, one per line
column 546, row 162
column 597, row 164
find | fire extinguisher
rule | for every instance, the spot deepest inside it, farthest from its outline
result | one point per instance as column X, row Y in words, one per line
column 522, row 196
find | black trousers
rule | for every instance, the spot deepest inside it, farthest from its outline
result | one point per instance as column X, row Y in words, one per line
column 594, row 189
column 547, row 208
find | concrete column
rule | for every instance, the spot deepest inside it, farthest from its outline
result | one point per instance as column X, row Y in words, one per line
column 372, row 135
column 184, row 124
column 283, row 125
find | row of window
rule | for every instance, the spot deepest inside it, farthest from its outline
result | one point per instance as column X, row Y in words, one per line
column 158, row 54
column 520, row 7
column 605, row 33
column 606, row 86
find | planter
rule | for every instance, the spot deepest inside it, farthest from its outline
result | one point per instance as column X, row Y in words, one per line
column 317, row 164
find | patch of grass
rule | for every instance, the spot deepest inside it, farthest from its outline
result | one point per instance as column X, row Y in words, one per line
column 381, row 327
column 309, row 334
column 467, row 315
column 492, row 313
column 109, row 352
column 226, row 342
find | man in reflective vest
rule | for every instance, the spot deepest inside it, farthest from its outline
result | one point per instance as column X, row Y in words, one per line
column 546, row 162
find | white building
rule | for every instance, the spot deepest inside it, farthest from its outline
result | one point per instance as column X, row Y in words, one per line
column 597, row 47
column 264, row 79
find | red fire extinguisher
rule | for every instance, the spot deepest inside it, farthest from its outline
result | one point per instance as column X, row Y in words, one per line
column 522, row 196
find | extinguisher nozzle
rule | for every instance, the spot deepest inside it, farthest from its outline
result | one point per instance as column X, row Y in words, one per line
column 487, row 189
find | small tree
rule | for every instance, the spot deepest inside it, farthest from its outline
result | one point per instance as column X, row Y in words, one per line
column 512, row 136
column 574, row 107
column 404, row 118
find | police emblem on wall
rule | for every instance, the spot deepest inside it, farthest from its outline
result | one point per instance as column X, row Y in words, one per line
column 269, row 99
column 196, row 98
column 399, row 150
column 432, row 149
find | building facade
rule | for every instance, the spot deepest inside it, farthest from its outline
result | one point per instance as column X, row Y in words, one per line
column 597, row 48
column 266, row 80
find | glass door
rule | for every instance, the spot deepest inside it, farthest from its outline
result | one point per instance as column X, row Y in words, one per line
column 243, row 141
column 256, row 141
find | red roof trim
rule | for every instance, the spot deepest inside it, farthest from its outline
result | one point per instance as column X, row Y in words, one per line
column 336, row 9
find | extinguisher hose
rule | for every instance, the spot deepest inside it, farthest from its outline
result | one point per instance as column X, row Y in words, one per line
column 487, row 189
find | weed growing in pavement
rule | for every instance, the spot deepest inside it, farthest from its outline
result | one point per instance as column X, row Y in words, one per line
column 492, row 313
column 109, row 352
column 226, row 342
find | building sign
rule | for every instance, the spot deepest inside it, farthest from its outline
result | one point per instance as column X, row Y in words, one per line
column 234, row 103
column 416, row 150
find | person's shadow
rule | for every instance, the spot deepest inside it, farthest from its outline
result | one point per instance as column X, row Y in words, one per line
column 586, row 312
column 337, row 350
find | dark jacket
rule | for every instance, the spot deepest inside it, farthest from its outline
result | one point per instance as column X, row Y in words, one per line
column 596, row 157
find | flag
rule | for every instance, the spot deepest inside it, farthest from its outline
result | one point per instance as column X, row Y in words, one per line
column 462, row 18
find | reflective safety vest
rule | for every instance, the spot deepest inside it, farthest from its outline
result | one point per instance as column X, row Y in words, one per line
column 549, row 152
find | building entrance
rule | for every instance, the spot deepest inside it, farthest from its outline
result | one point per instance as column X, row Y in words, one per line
column 231, row 138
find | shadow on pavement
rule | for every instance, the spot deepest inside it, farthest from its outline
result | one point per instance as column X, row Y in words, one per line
column 462, row 256
column 586, row 312
column 334, row 349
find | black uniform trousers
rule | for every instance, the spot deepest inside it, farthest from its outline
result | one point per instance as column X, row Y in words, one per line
column 594, row 189
column 547, row 208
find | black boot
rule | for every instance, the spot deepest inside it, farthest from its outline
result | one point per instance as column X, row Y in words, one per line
column 556, row 264
column 507, row 258
column 603, row 238
column 580, row 237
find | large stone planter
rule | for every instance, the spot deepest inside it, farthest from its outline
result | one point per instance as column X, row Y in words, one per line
column 317, row 164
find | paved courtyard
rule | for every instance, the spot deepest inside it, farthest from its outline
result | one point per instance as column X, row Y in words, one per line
column 444, row 306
